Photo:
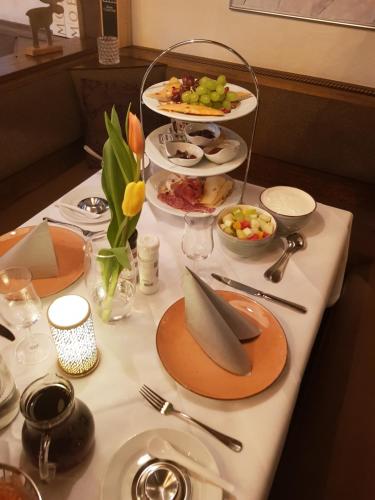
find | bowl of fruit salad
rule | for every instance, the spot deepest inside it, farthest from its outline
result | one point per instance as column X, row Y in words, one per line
column 202, row 134
column 244, row 229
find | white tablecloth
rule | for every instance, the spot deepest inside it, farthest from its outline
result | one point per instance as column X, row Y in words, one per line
column 129, row 358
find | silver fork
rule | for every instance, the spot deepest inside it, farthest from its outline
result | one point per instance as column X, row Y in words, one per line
column 166, row 408
column 85, row 232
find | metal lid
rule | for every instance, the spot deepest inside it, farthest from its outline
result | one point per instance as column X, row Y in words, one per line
column 161, row 480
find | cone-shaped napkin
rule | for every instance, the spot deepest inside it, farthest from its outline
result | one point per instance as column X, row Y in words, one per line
column 35, row 251
column 216, row 325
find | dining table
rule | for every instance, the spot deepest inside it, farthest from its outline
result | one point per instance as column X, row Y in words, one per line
column 129, row 358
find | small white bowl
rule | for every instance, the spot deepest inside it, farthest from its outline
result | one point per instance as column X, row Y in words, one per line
column 244, row 248
column 228, row 150
column 173, row 147
column 291, row 207
column 200, row 140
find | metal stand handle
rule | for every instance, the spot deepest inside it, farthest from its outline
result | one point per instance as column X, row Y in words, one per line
column 254, row 80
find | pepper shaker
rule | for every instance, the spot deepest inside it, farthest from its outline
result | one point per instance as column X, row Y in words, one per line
column 148, row 263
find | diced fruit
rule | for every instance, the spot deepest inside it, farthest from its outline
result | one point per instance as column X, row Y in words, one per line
column 265, row 217
column 265, row 226
column 250, row 211
column 255, row 223
column 247, row 223
column 240, row 234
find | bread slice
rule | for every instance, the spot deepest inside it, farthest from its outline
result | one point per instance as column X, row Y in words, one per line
column 165, row 93
column 190, row 109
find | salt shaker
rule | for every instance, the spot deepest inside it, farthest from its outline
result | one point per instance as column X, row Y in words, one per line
column 148, row 263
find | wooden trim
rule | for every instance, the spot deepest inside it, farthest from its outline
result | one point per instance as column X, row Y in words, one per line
column 14, row 67
column 124, row 24
column 306, row 84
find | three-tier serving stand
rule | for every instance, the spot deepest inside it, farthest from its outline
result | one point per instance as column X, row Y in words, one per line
column 204, row 168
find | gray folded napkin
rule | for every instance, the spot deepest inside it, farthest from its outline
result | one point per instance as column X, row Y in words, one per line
column 34, row 251
column 216, row 325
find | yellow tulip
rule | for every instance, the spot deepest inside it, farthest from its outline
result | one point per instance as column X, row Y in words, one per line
column 134, row 197
column 135, row 135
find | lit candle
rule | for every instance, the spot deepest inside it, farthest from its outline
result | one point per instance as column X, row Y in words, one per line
column 72, row 329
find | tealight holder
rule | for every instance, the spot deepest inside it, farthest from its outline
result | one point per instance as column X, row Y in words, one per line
column 72, row 329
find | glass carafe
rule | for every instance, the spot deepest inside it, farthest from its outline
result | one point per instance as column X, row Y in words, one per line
column 9, row 396
column 58, row 432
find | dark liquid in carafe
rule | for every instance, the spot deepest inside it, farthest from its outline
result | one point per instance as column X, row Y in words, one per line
column 71, row 438
column 49, row 402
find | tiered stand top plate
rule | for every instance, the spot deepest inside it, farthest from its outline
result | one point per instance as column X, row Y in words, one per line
column 245, row 107
column 205, row 168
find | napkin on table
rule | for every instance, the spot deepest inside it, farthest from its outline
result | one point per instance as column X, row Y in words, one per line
column 216, row 325
column 34, row 251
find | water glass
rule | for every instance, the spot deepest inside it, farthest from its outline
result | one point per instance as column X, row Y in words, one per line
column 20, row 307
column 197, row 241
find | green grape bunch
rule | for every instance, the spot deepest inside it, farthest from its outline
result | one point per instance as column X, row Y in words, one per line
column 206, row 91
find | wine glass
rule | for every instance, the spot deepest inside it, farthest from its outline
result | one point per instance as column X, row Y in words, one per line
column 20, row 307
column 197, row 241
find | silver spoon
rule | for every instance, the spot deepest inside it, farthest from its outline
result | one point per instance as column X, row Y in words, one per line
column 94, row 205
column 161, row 448
column 295, row 242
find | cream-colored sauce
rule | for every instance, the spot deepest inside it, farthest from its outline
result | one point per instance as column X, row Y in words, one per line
column 287, row 200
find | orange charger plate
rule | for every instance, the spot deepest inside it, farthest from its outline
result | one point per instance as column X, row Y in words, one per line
column 190, row 366
column 69, row 249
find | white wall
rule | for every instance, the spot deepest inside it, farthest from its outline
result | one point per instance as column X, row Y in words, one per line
column 65, row 24
column 316, row 49
column 14, row 10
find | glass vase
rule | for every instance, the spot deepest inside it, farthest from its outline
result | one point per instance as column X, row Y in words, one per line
column 111, row 288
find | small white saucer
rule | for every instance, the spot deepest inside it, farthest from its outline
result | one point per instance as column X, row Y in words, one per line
column 74, row 197
column 124, row 464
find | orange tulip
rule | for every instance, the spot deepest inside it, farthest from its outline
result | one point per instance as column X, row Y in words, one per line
column 135, row 135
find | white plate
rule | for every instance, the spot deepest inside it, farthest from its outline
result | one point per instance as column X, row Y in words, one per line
column 74, row 197
column 246, row 106
column 131, row 455
column 204, row 168
column 155, row 180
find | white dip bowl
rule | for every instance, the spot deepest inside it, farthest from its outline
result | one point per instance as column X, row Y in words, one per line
column 291, row 207
column 195, row 133
column 222, row 151
column 173, row 149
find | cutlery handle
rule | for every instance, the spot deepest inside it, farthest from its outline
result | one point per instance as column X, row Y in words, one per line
column 78, row 210
column 203, row 472
column 276, row 271
column 232, row 443
column 48, row 219
column 289, row 303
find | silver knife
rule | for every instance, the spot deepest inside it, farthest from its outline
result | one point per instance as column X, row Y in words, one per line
column 6, row 333
column 258, row 293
